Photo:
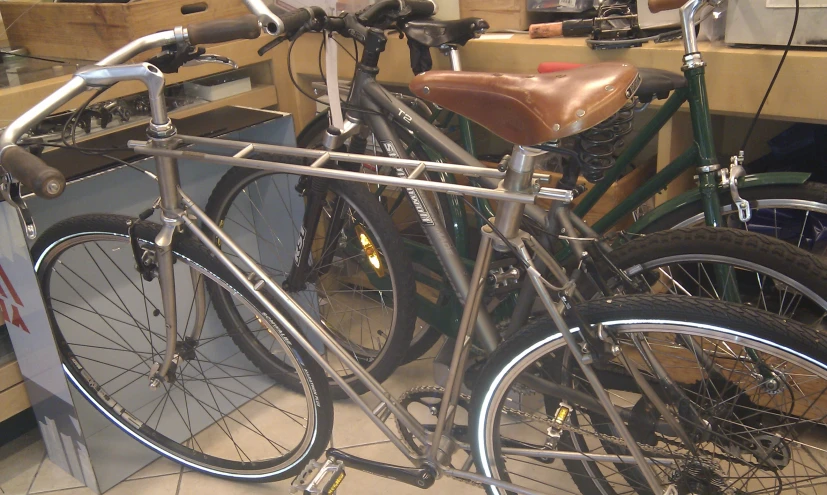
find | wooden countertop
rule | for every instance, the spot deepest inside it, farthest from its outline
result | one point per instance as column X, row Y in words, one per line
column 736, row 77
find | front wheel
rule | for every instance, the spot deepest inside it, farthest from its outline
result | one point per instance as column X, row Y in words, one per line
column 756, row 382
column 222, row 410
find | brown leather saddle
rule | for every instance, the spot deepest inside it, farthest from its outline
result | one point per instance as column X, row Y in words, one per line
column 529, row 109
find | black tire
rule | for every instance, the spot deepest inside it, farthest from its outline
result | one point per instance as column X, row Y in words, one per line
column 770, row 274
column 793, row 200
column 193, row 441
column 424, row 336
column 540, row 350
column 379, row 349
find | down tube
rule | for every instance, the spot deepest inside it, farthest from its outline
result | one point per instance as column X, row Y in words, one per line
column 298, row 313
column 447, row 253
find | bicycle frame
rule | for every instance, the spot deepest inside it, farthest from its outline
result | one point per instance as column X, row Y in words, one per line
column 516, row 195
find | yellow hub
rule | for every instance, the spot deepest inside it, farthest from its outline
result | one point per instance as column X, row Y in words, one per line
column 370, row 250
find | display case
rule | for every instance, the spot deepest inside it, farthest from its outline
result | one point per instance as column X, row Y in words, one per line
column 77, row 436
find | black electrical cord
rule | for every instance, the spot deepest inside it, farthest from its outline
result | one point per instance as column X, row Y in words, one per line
column 293, row 79
column 10, row 54
column 322, row 46
column 75, row 148
column 346, row 50
column 774, row 77
column 317, row 100
column 356, row 49
column 72, row 124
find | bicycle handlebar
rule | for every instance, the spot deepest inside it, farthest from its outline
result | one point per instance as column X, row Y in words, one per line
column 223, row 30
column 48, row 182
column 45, row 181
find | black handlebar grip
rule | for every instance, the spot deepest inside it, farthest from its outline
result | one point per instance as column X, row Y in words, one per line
column 293, row 21
column 223, row 30
column 45, row 181
column 421, row 8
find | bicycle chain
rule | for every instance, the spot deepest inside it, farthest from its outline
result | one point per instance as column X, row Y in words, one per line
column 568, row 427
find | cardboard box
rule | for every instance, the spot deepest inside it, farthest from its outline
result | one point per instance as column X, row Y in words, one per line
column 500, row 14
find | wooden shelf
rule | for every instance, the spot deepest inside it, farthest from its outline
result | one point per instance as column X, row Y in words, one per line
column 16, row 100
column 260, row 96
column 13, row 397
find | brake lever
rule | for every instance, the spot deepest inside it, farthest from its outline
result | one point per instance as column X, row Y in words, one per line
column 209, row 58
column 270, row 45
column 276, row 42
column 10, row 191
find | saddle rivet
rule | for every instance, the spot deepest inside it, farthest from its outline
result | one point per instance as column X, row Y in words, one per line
column 580, row 113
column 556, row 127
column 426, row 89
column 609, row 88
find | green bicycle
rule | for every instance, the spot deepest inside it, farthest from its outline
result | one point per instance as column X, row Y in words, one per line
column 783, row 205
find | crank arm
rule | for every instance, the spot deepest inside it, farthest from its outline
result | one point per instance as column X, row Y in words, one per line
column 423, row 477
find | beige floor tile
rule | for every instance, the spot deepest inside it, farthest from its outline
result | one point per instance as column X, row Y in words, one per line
column 352, row 427
column 193, row 483
column 19, row 460
column 157, row 468
column 52, row 477
column 159, row 485
column 86, row 491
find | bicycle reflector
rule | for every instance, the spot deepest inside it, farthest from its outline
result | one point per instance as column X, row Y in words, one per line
column 370, row 251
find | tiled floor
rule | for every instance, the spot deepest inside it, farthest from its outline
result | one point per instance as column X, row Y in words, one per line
column 25, row 470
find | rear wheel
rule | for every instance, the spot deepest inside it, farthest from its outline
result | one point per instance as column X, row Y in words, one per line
column 756, row 382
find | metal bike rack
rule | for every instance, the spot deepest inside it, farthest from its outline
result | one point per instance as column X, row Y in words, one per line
column 77, row 437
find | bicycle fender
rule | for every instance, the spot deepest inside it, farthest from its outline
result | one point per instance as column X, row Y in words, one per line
column 694, row 195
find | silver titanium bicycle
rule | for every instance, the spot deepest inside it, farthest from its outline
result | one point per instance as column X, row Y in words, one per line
column 636, row 394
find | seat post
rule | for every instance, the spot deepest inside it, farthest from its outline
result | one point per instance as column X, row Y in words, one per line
column 518, row 178
column 452, row 51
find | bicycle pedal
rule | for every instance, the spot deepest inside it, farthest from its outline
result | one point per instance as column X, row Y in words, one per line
column 319, row 478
